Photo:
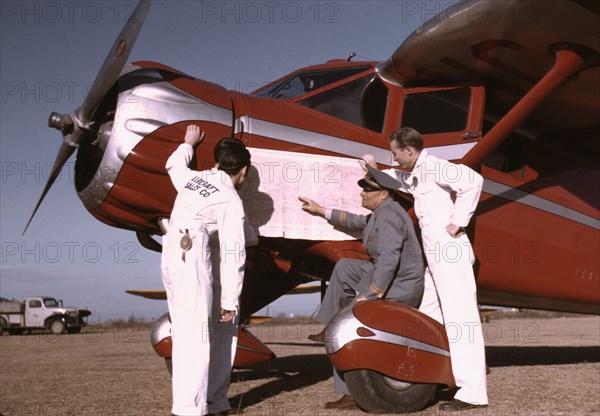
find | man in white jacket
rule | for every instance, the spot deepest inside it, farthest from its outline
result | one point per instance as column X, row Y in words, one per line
column 446, row 195
column 207, row 202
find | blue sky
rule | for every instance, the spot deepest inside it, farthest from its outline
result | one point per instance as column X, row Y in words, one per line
column 50, row 54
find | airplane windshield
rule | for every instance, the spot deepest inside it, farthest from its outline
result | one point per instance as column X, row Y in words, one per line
column 362, row 102
column 304, row 82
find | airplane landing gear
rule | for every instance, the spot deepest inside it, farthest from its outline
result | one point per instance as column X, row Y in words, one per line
column 392, row 356
column 376, row 393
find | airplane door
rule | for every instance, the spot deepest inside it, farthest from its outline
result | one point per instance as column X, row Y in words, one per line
column 448, row 118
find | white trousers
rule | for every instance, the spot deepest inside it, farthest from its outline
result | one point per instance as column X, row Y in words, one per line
column 189, row 294
column 223, row 344
column 450, row 297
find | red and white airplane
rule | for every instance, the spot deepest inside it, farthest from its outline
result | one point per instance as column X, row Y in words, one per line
column 514, row 94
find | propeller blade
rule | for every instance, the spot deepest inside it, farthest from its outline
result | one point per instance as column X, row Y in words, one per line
column 64, row 153
column 115, row 61
column 73, row 127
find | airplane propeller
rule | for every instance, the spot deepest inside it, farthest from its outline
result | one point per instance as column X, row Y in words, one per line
column 79, row 125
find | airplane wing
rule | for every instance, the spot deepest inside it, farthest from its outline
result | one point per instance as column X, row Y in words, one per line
column 508, row 46
column 149, row 294
column 305, row 289
column 162, row 294
column 253, row 319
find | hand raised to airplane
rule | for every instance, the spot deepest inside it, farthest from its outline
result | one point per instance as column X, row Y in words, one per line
column 312, row 207
column 367, row 159
column 193, row 135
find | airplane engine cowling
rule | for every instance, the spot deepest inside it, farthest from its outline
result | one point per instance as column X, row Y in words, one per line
column 392, row 339
column 160, row 336
column 250, row 350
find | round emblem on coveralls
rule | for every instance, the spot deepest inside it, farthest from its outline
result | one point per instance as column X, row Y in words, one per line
column 186, row 242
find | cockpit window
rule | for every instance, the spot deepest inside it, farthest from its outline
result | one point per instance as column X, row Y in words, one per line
column 304, row 82
column 362, row 102
column 437, row 111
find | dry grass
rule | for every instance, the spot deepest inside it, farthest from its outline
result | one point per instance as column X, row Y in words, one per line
column 541, row 366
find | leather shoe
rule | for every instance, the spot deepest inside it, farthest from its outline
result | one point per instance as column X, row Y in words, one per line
column 320, row 337
column 458, row 405
column 346, row 402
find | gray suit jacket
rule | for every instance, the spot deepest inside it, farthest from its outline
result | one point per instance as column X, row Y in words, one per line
column 389, row 238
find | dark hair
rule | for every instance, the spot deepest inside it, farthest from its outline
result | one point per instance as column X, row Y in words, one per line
column 407, row 136
column 224, row 142
column 231, row 155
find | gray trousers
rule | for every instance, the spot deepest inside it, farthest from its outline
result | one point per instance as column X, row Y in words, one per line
column 347, row 280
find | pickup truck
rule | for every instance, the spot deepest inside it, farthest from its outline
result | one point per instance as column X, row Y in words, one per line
column 41, row 313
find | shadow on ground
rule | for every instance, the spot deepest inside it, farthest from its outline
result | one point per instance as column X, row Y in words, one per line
column 296, row 372
column 287, row 373
column 526, row 356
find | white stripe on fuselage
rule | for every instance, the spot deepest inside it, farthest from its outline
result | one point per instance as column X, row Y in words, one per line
column 352, row 148
column 534, row 201
column 344, row 147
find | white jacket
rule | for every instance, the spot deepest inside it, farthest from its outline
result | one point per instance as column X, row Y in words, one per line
column 207, row 200
column 445, row 193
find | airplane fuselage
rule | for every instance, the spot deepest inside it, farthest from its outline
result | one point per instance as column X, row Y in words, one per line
column 535, row 234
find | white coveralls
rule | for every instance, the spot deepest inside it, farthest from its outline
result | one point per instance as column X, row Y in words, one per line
column 206, row 203
column 450, row 294
column 223, row 336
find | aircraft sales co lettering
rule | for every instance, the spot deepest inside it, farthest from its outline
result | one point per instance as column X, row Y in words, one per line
column 204, row 188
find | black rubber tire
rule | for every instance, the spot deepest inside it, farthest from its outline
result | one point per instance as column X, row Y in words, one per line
column 376, row 393
column 57, row 327
column 3, row 325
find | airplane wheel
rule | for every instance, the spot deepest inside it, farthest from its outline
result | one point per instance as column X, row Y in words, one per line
column 376, row 393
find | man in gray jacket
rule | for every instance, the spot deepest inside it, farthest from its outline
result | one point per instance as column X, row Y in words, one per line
column 395, row 271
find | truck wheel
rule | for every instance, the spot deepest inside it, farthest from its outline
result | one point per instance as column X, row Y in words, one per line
column 376, row 393
column 57, row 327
column 2, row 325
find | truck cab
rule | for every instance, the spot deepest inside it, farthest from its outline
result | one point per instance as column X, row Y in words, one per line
column 41, row 313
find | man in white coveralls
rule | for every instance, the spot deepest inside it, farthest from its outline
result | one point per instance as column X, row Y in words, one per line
column 207, row 202
column 446, row 195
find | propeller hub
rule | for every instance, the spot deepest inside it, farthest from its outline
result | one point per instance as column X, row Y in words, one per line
column 61, row 122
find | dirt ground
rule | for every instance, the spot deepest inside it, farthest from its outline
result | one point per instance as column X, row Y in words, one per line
column 540, row 366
